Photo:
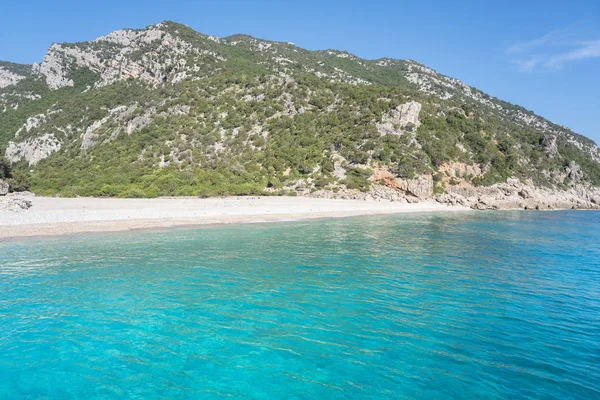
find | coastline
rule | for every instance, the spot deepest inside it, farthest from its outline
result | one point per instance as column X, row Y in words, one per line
column 50, row 216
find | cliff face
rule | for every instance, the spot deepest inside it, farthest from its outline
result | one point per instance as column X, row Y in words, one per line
column 167, row 110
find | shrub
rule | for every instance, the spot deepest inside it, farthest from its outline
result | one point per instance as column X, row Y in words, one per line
column 358, row 178
column 5, row 169
column 19, row 182
column 133, row 193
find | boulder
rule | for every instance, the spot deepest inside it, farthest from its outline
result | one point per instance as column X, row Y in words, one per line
column 421, row 187
column 485, row 203
column 525, row 193
column 412, row 200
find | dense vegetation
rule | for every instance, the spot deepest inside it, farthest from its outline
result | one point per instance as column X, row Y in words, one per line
column 241, row 126
column 18, row 181
column 20, row 69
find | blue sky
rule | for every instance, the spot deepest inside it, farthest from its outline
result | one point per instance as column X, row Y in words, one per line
column 543, row 55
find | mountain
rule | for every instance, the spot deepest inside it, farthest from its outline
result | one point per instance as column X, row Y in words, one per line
column 169, row 111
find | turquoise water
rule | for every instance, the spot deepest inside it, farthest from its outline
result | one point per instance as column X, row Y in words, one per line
column 472, row 305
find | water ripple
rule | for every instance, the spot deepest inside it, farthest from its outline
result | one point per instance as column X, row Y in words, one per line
column 488, row 305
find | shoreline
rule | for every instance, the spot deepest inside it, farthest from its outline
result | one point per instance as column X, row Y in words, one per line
column 51, row 216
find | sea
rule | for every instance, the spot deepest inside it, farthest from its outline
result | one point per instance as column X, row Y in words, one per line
column 464, row 305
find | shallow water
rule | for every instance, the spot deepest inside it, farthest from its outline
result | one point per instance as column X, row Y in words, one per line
column 465, row 305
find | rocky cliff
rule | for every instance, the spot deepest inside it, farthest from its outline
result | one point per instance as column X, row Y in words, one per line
column 169, row 111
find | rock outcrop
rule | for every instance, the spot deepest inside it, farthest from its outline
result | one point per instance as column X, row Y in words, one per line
column 152, row 55
column 574, row 172
column 421, row 187
column 33, row 150
column 54, row 68
column 8, row 78
column 408, row 114
column 514, row 194
column 403, row 118
column 548, row 144
column 511, row 195
column 376, row 192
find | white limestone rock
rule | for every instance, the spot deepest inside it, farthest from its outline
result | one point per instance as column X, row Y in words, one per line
column 574, row 172
column 404, row 118
column 129, row 37
column 138, row 123
column 408, row 114
column 89, row 137
column 9, row 78
column 33, row 150
column 111, row 57
column 54, row 70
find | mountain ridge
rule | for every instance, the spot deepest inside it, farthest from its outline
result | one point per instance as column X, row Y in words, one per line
column 249, row 37
column 233, row 37
column 213, row 106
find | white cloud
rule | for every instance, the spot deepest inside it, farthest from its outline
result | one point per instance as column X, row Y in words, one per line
column 527, row 65
column 552, row 51
column 550, row 38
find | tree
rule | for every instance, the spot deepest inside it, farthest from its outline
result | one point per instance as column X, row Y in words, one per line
column 5, row 169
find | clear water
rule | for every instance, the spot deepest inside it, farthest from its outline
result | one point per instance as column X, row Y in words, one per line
column 474, row 305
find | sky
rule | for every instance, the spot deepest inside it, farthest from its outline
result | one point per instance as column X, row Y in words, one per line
column 543, row 55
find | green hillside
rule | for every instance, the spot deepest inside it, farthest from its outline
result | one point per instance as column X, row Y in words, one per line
column 169, row 111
